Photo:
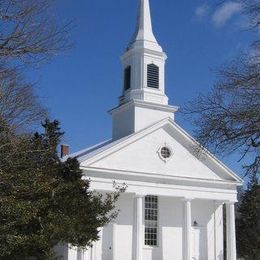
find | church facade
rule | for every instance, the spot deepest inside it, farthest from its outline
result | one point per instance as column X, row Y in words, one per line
column 173, row 205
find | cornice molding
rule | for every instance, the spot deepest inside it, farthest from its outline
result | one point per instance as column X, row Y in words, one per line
column 144, row 104
column 162, row 177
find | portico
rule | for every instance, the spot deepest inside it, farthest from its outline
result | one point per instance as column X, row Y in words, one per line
column 200, row 213
column 186, row 226
column 187, row 229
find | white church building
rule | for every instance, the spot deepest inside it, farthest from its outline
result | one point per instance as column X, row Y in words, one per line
column 173, row 206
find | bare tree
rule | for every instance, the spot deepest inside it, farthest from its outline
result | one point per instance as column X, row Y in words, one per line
column 19, row 106
column 252, row 9
column 29, row 32
column 227, row 119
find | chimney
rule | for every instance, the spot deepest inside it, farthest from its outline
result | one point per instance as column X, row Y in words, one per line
column 64, row 150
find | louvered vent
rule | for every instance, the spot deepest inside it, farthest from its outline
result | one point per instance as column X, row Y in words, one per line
column 152, row 76
column 127, row 78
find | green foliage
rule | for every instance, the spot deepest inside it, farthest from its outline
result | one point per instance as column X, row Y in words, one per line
column 248, row 222
column 44, row 200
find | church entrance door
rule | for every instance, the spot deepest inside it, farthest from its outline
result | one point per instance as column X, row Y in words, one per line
column 199, row 243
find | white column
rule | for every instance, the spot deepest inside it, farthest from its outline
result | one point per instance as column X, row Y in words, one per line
column 187, row 229
column 85, row 254
column 114, row 248
column 72, row 252
column 99, row 244
column 93, row 252
column 231, row 231
column 218, row 231
column 139, row 228
column 79, row 254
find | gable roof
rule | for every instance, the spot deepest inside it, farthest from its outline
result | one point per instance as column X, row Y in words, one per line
column 89, row 152
column 105, row 148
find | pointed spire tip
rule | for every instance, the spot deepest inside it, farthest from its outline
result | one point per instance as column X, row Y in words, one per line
column 144, row 30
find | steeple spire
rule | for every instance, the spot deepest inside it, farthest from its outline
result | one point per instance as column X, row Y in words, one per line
column 144, row 29
column 143, row 36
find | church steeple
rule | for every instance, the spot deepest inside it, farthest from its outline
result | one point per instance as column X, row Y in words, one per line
column 144, row 62
column 143, row 101
column 143, row 36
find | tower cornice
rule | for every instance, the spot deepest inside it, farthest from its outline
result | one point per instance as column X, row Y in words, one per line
column 143, row 104
column 144, row 51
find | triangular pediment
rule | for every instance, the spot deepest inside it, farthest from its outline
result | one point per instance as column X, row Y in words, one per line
column 140, row 153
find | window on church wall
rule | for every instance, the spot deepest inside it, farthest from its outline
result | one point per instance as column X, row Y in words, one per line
column 152, row 76
column 127, row 78
column 151, row 220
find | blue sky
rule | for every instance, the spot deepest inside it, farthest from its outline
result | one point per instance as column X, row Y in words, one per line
column 79, row 87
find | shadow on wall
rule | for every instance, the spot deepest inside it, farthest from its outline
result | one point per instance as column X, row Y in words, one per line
column 107, row 242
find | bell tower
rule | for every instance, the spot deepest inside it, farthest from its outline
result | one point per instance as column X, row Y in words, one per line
column 143, row 101
column 143, row 62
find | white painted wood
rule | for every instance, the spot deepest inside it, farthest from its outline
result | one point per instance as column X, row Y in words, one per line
column 115, row 242
column 98, row 246
column 218, row 231
column 144, row 31
column 117, row 155
column 85, row 254
column 82, row 254
column 139, row 228
column 187, row 230
column 231, row 232
column 136, row 108
column 93, row 252
column 107, row 243
column 199, row 246
column 195, row 244
column 72, row 253
column 166, row 190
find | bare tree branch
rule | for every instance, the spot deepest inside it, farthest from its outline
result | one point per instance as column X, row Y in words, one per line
column 228, row 118
column 29, row 33
column 19, row 106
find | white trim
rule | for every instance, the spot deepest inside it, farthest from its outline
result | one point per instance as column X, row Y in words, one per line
column 156, row 176
column 144, row 104
column 166, row 190
column 114, row 251
column 139, row 211
column 158, row 224
column 231, row 231
column 166, row 186
column 208, row 153
column 159, row 151
column 87, row 150
column 187, row 229
column 120, row 144
column 155, row 53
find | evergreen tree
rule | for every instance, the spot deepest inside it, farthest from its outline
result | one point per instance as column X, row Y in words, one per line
column 44, row 200
column 248, row 222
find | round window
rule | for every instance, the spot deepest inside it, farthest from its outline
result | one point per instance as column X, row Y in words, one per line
column 165, row 152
